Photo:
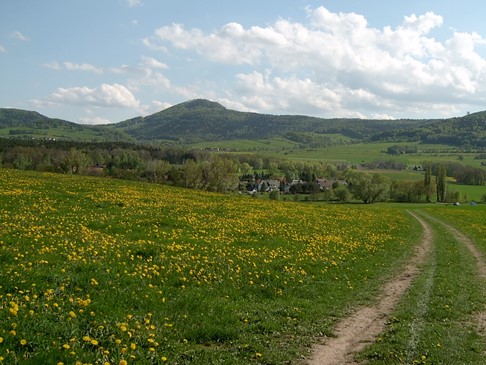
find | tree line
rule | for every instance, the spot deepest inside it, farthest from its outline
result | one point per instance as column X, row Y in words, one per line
column 200, row 169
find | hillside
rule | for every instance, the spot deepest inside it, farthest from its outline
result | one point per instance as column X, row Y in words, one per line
column 204, row 121
column 17, row 123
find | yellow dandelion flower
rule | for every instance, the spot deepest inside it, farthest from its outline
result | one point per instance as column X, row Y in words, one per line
column 123, row 362
column 133, row 346
column 23, row 342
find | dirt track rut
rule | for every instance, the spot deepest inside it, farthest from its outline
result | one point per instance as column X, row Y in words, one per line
column 354, row 333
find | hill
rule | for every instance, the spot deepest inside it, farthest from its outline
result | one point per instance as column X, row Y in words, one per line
column 17, row 123
column 204, row 121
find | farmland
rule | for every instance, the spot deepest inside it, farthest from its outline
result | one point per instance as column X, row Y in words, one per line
column 101, row 271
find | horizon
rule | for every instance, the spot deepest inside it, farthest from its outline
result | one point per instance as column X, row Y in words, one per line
column 187, row 101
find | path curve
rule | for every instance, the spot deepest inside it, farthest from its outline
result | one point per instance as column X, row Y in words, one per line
column 354, row 333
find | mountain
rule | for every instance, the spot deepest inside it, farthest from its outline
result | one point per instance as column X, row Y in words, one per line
column 203, row 120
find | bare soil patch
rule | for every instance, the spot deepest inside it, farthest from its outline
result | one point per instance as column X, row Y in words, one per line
column 355, row 332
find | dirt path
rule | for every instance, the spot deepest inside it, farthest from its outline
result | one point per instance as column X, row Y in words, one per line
column 354, row 333
column 480, row 260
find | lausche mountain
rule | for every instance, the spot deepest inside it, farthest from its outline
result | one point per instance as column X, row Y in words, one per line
column 203, row 120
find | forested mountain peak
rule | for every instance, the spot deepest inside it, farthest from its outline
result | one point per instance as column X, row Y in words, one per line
column 202, row 120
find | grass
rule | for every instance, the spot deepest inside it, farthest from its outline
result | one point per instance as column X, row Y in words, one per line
column 106, row 271
column 468, row 192
column 434, row 323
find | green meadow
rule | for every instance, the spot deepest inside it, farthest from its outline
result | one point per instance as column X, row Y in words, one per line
column 104, row 271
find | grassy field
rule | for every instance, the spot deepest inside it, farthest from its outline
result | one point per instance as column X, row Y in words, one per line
column 100, row 271
column 106, row 271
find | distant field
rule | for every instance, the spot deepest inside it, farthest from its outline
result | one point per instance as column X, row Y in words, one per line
column 271, row 144
column 346, row 152
column 468, row 192
column 369, row 152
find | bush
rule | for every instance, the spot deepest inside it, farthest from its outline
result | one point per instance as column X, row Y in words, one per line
column 275, row 195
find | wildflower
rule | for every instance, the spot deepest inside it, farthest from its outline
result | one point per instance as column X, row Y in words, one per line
column 66, row 346
column 164, row 359
column 72, row 314
column 123, row 362
column 23, row 342
column 94, row 342
column 133, row 346
column 1, row 339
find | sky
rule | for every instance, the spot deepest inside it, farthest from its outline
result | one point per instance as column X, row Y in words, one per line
column 105, row 61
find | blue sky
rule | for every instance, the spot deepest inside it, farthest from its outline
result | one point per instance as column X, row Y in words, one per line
column 92, row 61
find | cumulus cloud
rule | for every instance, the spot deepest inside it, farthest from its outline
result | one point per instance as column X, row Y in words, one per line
column 338, row 61
column 107, row 95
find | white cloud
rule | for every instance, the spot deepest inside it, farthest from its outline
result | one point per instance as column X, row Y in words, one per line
column 133, row 3
column 20, row 37
column 153, row 63
column 107, row 95
column 70, row 66
column 337, row 61
column 2, row 49
column 82, row 67
column 94, row 120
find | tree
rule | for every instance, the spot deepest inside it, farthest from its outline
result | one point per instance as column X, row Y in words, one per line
column 156, row 170
column 220, row 174
column 368, row 187
column 342, row 193
column 440, row 180
column 193, row 174
column 428, row 182
column 74, row 161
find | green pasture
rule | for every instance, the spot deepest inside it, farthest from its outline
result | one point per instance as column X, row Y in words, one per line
column 269, row 144
column 113, row 272
column 106, row 271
